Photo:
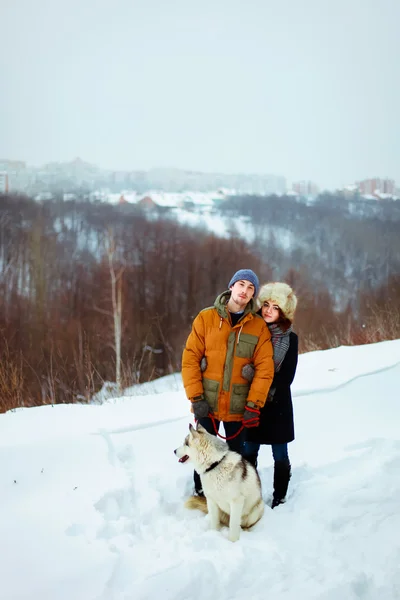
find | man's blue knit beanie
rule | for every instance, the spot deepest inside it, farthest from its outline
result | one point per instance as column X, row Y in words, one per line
column 248, row 275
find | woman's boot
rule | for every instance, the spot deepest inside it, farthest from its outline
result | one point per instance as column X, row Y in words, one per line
column 282, row 474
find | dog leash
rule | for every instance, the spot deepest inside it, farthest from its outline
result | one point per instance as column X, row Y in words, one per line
column 230, row 437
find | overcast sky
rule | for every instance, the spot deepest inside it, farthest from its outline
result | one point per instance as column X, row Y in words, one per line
column 307, row 89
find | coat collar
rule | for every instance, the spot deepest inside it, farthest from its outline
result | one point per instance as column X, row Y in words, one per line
column 221, row 306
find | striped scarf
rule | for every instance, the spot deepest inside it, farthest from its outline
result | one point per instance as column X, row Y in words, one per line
column 280, row 343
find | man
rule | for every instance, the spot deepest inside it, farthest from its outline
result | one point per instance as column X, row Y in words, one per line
column 230, row 336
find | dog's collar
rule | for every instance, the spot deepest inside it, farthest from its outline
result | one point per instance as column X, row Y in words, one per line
column 214, row 464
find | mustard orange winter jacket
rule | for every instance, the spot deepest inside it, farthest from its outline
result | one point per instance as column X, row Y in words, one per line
column 227, row 349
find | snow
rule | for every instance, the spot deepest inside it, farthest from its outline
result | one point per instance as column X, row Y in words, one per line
column 241, row 226
column 92, row 496
column 213, row 223
column 200, row 200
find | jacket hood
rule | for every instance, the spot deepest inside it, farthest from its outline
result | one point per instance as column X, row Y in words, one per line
column 222, row 300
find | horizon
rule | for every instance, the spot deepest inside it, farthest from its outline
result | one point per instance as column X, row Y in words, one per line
column 289, row 181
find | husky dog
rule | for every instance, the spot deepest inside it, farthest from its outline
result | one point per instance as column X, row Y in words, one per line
column 231, row 484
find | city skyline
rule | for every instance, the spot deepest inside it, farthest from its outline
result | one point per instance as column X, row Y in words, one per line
column 16, row 175
column 308, row 92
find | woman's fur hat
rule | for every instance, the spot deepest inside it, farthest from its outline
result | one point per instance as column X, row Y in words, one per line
column 280, row 294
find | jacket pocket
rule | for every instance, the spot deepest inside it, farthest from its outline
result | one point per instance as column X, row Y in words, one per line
column 211, row 388
column 240, row 391
column 246, row 344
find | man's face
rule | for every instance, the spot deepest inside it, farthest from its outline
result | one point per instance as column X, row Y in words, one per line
column 242, row 292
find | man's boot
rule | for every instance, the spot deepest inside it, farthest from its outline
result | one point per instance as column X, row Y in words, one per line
column 198, row 488
column 282, row 474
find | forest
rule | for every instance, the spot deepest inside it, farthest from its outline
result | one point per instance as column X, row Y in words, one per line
column 94, row 293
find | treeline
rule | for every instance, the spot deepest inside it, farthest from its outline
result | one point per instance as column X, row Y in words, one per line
column 72, row 275
column 350, row 244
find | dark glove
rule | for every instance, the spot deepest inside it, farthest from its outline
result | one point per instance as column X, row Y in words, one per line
column 203, row 364
column 200, row 407
column 251, row 415
column 248, row 372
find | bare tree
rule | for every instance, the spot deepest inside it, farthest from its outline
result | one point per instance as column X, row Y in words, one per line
column 116, row 300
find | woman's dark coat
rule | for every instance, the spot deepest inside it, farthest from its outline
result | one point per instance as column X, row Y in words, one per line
column 276, row 419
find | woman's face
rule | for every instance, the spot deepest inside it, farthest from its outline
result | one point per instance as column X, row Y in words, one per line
column 270, row 312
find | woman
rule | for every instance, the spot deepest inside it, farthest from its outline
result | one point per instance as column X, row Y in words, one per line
column 277, row 303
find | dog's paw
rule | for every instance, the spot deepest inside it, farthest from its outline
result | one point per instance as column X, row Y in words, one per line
column 233, row 537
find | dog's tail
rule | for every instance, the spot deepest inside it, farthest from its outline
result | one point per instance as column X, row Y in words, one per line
column 200, row 503
column 197, row 503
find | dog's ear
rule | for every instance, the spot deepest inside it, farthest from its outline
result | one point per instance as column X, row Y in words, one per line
column 194, row 433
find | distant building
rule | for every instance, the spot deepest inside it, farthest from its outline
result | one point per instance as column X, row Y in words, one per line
column 377, row 186
column 3, row 182
column 79, row 175
column 147, row 203
column 350, row 190
column 11, row 165
column 305, row 188
column 13, row 174
column 177, row 180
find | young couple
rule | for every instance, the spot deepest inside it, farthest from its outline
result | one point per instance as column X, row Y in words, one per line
column 237, row 367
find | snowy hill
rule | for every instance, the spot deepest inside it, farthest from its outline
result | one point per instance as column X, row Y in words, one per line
column 92, row 496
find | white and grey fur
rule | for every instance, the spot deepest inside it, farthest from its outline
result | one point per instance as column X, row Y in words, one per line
column 230, row 483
